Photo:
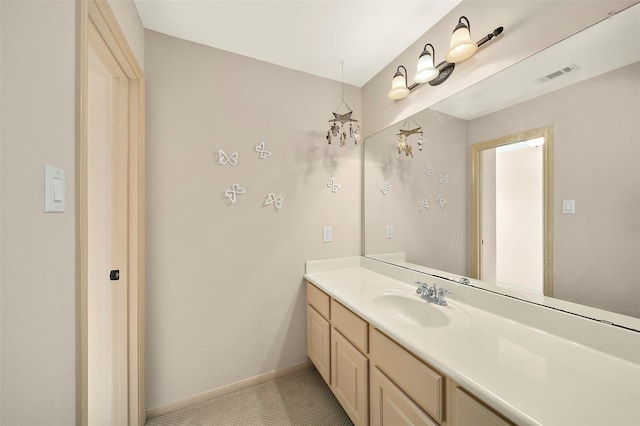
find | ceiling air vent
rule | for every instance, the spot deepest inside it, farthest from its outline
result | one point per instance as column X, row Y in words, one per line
column 556, row 74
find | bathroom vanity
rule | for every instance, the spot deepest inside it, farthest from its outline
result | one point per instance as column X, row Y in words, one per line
column 392, row 358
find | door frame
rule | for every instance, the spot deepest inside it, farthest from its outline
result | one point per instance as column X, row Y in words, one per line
column 95, row 16
column 547, row 188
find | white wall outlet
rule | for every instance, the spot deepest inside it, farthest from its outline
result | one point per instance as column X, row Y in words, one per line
column 389, row 233
column 327, row 234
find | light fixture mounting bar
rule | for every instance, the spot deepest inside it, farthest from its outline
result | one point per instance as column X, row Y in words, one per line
column 444, row 64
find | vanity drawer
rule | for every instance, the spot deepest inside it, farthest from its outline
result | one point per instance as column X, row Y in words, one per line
column 424, row 385
column 318, row 299
column 354, row 328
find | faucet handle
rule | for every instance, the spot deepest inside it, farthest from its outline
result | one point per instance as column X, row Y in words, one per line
column 441, row 299
column 421, row 287
column 443, row 291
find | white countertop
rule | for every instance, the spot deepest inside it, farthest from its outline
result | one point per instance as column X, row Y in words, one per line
column 529, row 375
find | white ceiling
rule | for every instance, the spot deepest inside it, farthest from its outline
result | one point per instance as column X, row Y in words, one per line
column 311, row 36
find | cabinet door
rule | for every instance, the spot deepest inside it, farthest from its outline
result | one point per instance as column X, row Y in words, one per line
column 468, row 411
column 349, row 378
column 421, row 383
column 318, row 343
column 391, row 407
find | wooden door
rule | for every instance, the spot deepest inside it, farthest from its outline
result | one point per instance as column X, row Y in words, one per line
column 110, row 223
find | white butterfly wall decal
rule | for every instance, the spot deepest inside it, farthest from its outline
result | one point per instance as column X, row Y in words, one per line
column 263, row 153
column 232, row 194
column 227, row 159
column 276, row 201
column 429, row 169
column 333, row 185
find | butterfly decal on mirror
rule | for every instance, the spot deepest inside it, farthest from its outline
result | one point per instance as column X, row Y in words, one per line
column 444, row 179
column 262, row 152
column 223, row 158
column 429, row 169
column 333, row 185
column 424, row 204
column 232, row 194
column 385, row 189
column 276, row 201
column 440, row 199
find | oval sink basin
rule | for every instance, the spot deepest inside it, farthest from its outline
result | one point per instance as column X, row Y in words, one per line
column 408, row 307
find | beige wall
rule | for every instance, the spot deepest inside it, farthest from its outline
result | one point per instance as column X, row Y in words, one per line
column 530, row 26
column 597, row 163
column 37, row 267
column 38, row 287
column 225, row 299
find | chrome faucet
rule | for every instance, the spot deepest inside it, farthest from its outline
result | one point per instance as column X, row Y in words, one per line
column 431, row 294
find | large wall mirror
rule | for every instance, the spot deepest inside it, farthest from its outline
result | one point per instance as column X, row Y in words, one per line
column 586, row 91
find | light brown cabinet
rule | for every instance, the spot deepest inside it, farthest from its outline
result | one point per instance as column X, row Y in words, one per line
column 350, row 378
column 469, row 411
column 376, row 380
column 391, row 406
column 423, row 384
column 318, row 342
column 319, row 331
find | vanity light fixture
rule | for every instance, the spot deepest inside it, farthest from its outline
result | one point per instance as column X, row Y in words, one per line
column 399, row 87
column 461, row 48
column 426, row 71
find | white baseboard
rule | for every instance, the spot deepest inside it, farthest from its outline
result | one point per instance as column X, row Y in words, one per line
column 234, row 387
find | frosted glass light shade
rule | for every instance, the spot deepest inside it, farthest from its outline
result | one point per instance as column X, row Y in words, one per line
column 461, row 46
column 426, row 71
column 399, row 88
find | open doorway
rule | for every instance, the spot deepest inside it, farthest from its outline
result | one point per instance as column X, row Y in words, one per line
column 511, row 211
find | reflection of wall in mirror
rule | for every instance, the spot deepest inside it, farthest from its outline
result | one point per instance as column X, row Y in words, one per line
column 596, row 135
column 433, row 236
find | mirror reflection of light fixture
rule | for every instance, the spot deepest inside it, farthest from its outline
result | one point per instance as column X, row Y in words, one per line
column 399, row 87
column 426, row 71
column 461, row 47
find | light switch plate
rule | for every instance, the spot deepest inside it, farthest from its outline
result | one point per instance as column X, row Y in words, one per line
column 54, row 190
column 569, row 206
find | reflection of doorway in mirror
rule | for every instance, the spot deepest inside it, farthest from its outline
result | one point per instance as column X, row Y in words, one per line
column 512, row 206
column 511, row 211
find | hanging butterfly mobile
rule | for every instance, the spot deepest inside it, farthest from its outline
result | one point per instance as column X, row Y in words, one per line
column 404, row 145
column 343, row 126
